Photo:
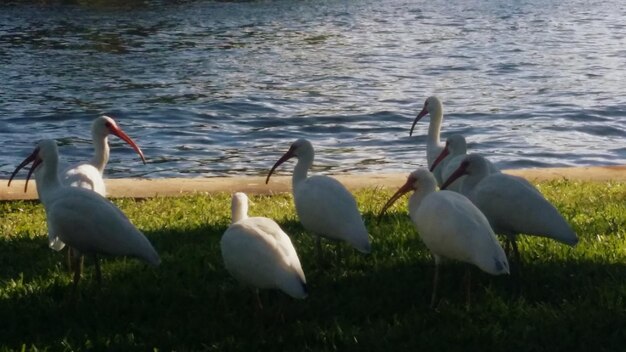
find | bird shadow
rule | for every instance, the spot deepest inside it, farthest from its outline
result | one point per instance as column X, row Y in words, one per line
column 190, row 301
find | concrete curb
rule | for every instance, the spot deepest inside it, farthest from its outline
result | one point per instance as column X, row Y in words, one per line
column 172, row 187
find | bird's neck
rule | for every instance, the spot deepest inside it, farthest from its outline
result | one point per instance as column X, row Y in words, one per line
column 239, row 213
column 434, row 145
column 480, row 171
column 101, row 155
column 301, row 170
column 416, row 199
column 457, row 152
column 47, row 178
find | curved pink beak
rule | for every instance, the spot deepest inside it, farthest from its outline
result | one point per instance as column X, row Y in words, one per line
column 35, row 159
column 422, row 113
column 406, row 188
column 444, row 153
column 460, row 171
column 118, row 132
column 288, row 155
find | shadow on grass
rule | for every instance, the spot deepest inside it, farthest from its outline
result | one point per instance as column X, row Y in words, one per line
column 356, row 302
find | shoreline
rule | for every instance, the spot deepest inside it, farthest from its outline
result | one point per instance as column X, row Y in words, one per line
column 176, row 187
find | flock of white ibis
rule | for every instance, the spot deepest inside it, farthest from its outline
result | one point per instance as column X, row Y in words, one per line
column 460, row 221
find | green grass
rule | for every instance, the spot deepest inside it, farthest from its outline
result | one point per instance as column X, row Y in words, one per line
column 570, row 298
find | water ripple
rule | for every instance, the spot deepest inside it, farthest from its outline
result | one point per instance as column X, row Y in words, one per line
column 222, row 88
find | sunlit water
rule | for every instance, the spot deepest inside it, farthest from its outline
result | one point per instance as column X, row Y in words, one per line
column 222, row 88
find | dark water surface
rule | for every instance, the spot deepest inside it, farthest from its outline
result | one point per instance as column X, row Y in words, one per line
column 222, row 88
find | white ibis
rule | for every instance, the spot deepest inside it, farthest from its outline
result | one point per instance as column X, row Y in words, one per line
column 450, row 158
column 89, row 175
column 512, row 205
column 84, row 220
column 451, row 227
column 434, row 108
column 258, row 253
column 324, row 206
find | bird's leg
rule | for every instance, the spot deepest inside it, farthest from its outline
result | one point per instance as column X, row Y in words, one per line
column 68, row 258
column 77, row 265
column 468, row 286
column 339, row 250
column 319, row 250
column 281, row 309
column 433, row 297
column 518, row 259
column 258, row 300
column 258, row 308
column 518, row 266
column 98, row 271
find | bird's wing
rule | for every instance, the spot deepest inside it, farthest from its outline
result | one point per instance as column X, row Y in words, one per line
column 85, row 176
column 90, row 223
column 252, row 255
column 455, row 225
column 282, row 243
column 513, row 206
column 325, row 206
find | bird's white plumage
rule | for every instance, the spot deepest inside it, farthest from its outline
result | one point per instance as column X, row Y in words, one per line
column 434, row 108
column 452, row 227
column 324, row 206
column 513, row 205
column 90, row 223
column 85, row 176
column 257, row 252
column 89, row 174
column 83, row 219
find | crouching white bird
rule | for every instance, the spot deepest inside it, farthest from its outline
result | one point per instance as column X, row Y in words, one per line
column 451, row 157
column 89, row 174
column 258, row 253
column 324, row 206
column 512, row 205
column 451, row 227
column 84, row 220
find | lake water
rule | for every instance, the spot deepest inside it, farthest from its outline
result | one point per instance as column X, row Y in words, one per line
column 222, row 88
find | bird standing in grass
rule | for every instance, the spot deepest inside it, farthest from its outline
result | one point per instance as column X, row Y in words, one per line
column 88, row 175
column 451, row 227
column 324, row 206
column 83, row 219
column 511, row 204
column 257, row 252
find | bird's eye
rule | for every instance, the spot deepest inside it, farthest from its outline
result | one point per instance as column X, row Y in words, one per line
column 108, row 124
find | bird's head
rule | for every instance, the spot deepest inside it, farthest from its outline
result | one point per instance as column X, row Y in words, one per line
column 420, row 178
column 431, row 105
column 300, row 147
column 105, row 125
column 455, row 145
column 472, row 163
column 45, row 150
column 239, row 206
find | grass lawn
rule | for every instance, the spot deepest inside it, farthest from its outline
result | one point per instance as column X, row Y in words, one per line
column 570, row 299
